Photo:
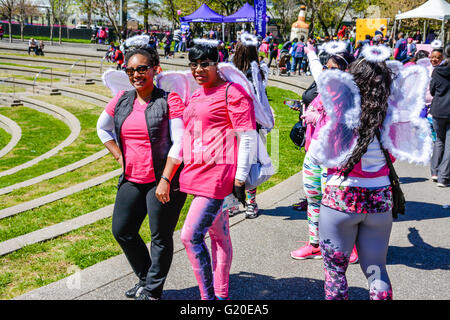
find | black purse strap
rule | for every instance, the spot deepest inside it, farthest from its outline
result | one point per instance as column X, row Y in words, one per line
column 392, row 174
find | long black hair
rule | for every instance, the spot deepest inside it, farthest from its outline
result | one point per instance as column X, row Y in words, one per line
column 374, row 82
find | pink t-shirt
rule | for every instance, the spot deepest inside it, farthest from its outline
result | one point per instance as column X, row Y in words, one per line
column 136, row 145
column 209, row 141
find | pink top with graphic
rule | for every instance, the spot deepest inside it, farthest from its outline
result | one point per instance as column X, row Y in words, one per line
column 136, row 146
column 209, row 142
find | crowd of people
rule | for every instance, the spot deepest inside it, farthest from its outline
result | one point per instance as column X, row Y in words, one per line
column 164, row 144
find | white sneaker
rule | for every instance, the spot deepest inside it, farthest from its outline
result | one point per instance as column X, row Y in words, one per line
column 441, row 185
column 434, row 178
column 252, row 211
column 233, row 211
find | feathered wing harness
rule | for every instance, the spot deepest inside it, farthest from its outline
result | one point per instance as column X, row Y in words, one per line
column 404, row 134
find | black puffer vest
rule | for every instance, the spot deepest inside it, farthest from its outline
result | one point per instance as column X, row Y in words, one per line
column 157, row 119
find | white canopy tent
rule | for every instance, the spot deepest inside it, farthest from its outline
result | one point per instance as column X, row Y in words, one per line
column 432, row 9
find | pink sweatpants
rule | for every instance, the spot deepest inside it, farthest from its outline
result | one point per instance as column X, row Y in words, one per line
column 205, row 215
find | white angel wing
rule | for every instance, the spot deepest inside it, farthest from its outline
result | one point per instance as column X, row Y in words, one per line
column 395, row 66
column 263, row 115
column 405, row 134
column 424, row 62
column 181, row 82
column 116, row 81
column 342, row 103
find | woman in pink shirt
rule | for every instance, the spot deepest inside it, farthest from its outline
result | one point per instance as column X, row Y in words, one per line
column 142, row 129
column 216, row 112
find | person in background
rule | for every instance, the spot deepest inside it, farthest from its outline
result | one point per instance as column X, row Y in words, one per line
column 273, row 48
column 410, row 50
column 118, row 58
column 102, row 35
column 32, row 45
column 421, row 54
column 298, row 53
column 367, row 40
column 40, row 49
column 167, row 43
column 315, row 176
column 401, row 49
column 223, row 52
column 380, row 31
column 430, row 36
column 417, row 37
column 2, row 32
column 246, row 53
column 177, row 39
column 436, row 57
column 440, row 111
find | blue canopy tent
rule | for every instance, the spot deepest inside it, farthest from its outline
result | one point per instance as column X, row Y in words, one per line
column 204, row 14
column 245, row 14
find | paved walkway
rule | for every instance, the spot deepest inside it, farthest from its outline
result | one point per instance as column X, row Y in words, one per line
column 418, row 257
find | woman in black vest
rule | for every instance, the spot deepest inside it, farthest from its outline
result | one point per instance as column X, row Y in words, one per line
column 139, row 128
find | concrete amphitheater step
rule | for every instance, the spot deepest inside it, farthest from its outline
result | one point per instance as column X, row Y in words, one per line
column 32, row 204
column 60, row 113
column 14, row 130
column 55, row 173
column 54, row 231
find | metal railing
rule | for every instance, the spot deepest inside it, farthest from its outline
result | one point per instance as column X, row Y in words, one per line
column 3, row 80
column 71, row 68
column 39, row 73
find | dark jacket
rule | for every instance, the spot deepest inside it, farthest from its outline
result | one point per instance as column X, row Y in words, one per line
column 157, row 119
column 440, row 90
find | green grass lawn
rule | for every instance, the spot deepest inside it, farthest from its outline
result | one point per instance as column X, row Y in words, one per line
column 85, row 145
column 40, row 133
column 5, row 137
column 10, row 89
column 40, row 264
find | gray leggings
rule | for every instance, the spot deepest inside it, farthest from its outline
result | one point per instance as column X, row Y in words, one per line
column 338, row 233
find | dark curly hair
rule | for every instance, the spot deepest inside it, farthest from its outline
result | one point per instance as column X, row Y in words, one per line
column 374, row 82
column 148, row 52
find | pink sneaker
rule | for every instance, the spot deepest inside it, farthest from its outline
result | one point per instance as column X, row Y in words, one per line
column 354, row 256
column 306, row 252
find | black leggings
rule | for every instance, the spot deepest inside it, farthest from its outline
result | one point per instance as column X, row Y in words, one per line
column 133, row 202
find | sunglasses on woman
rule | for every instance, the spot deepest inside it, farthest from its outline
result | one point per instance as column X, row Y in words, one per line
column 140, row 69
column 203, row 65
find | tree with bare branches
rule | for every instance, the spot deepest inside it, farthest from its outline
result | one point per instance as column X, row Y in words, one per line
column 7, row 9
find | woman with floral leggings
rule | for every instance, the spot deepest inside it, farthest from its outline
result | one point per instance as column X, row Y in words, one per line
column 357, row 200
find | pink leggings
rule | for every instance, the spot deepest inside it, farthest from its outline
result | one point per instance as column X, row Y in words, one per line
column 205, row 215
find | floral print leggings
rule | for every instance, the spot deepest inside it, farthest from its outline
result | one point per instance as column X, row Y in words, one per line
column 339, row 231
column 212, row 272
column 314, row 181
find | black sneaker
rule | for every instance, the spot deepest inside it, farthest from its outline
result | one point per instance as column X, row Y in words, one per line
column 133, row 291
column 144, row 295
